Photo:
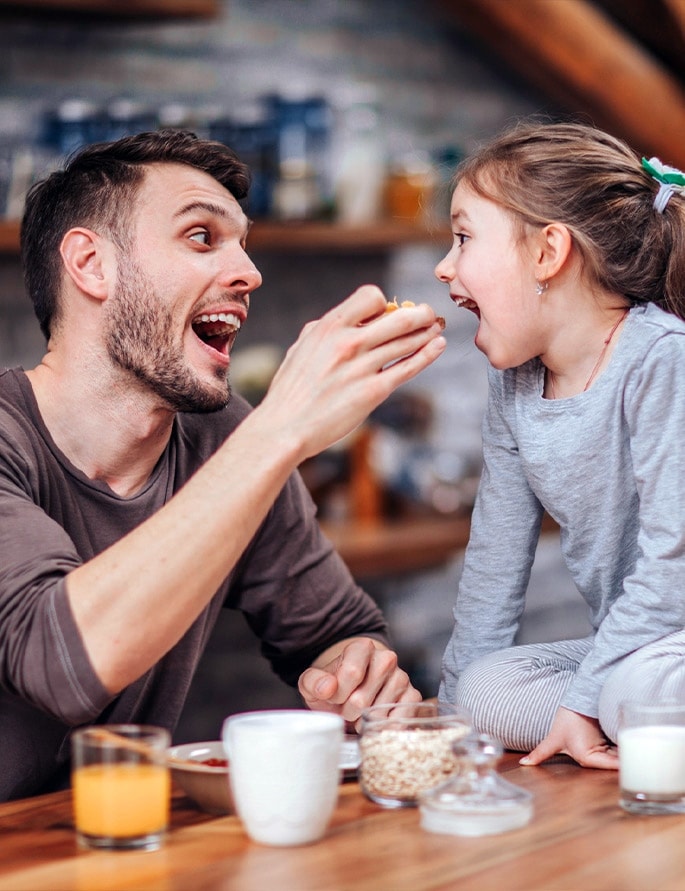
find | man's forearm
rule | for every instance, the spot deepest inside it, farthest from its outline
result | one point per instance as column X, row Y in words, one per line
column 136, row 599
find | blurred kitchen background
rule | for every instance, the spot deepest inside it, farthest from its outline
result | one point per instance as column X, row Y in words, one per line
column 352, row 114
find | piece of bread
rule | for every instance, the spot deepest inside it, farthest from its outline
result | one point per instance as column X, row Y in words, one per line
column 392, row 305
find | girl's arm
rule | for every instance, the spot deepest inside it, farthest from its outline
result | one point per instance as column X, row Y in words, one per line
column 649, row 604
column 504, row 532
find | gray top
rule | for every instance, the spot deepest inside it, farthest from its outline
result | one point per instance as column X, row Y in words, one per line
column 294, row 590
column 609, row 466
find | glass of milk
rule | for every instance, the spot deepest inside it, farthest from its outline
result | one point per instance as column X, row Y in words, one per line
column 651, row 752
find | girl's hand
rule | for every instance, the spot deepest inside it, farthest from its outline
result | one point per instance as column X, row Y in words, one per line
column 579, row 737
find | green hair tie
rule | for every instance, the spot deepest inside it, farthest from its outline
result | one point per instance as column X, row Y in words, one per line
column 670, row 179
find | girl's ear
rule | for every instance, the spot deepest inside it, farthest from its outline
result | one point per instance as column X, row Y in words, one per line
column 552, row 249
column 84, row 254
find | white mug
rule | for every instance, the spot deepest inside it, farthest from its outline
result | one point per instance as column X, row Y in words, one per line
column 285, row 771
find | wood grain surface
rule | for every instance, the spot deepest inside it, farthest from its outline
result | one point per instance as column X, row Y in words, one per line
column 578, row 839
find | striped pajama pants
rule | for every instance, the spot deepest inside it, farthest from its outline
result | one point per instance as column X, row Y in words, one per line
column 513, row 694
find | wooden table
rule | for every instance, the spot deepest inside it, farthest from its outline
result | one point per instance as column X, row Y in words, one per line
column 578, row 839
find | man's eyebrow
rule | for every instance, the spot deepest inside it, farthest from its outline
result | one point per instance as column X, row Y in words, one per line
column 208, row 206
column 217, row 210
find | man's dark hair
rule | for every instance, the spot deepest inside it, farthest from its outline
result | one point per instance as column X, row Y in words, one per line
column 97, row 189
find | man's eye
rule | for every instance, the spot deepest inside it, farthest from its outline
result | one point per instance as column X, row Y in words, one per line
column 202, row 237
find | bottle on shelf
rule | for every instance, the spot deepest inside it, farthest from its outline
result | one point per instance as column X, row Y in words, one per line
column 74, row 123
column 124, row 116
column 303, row 187
column 359, row 158
column 252, row 134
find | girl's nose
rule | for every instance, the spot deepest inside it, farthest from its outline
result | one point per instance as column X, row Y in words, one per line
column 444, row 271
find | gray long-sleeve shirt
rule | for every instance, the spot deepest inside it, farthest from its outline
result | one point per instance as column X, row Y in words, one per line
column 294, row 590
column 609, row 466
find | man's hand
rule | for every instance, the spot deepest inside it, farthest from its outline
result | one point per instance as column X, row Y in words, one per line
column 354, row 674
column 578, row 736
column 342, row 366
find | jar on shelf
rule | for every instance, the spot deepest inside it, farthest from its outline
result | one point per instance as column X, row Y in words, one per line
column 410, row 188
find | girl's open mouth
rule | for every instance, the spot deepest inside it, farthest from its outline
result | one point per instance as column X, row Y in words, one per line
column 467, row 303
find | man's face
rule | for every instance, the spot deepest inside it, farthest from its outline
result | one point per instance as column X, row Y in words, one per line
column 182, row 290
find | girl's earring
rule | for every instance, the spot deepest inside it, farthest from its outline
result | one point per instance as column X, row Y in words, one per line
column 541, row 287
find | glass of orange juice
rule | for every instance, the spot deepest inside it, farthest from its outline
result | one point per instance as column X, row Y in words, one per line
column 121, row 786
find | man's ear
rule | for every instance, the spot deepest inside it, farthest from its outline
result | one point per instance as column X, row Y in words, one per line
column 552, row 248
column 85, row 258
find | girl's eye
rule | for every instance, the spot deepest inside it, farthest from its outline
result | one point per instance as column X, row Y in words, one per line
column 202, row 237
column 460, row 238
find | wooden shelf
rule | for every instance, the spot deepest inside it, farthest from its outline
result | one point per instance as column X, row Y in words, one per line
column 322, row 237
column 394, row 548
column 387, row 548
column 118, row 8
column 305, row 237
column 9, row 237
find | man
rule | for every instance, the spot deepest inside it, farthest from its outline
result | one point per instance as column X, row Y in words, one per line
column 136, row 497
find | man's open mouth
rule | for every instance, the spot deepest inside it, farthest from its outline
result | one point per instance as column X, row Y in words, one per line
column 217, row 330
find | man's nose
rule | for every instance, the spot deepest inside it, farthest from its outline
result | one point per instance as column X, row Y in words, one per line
column 241, row 272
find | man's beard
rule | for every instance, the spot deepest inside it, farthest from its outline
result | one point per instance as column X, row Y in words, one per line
column 139, row 339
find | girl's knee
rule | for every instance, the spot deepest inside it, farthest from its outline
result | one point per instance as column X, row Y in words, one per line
column 481, row 678
column 655, row 672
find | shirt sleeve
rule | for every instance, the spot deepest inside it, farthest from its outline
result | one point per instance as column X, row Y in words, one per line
column 505, row 528
column 42, row 656
column 651, row 603
column 296, row 592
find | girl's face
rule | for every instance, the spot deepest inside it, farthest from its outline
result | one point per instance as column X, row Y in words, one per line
column 490, row 271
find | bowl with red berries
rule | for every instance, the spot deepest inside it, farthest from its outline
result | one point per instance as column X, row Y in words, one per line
column 201, row 770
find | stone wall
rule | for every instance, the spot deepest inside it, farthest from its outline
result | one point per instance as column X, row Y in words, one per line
column 432, row 89
column 434, row 92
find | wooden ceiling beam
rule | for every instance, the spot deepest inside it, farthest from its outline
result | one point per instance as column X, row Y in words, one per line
column 656, row 25
column 677, row 10
column 572, row 51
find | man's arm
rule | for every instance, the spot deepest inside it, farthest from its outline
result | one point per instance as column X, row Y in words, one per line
column 338, row 371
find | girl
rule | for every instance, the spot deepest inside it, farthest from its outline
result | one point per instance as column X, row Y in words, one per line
column 571, row 253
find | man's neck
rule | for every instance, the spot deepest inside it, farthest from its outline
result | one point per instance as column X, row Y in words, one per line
column 109, row 430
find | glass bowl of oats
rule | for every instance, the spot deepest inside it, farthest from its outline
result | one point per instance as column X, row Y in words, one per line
column 406, row 748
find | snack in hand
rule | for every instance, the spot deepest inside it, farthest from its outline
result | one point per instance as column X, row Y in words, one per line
column 392, row 305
